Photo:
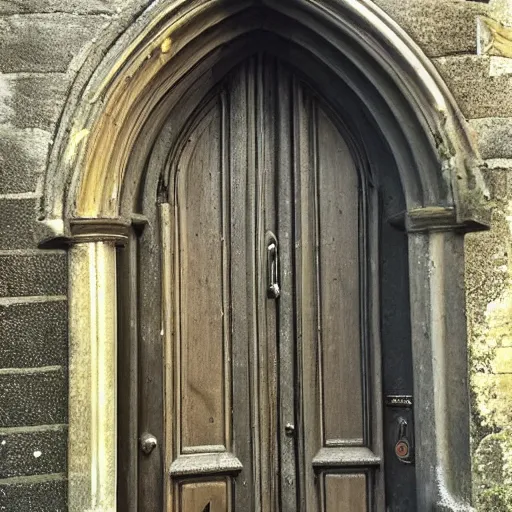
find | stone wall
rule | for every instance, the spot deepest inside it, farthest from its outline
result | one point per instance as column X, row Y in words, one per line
column 43, row 45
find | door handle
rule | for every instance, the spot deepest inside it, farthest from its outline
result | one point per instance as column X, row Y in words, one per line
column 403, row 446
column 273, row 290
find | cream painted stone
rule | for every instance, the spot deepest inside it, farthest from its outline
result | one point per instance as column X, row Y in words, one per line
column 92, row 377
column 501, row 10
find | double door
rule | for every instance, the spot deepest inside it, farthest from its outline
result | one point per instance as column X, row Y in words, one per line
column 270, row 351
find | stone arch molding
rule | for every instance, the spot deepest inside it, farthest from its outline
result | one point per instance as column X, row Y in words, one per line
column 88, row 163
column 90, row 176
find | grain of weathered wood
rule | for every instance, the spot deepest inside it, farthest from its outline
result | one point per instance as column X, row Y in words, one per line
column 345, row 493
column 151, row 468
column 339, row 275
column 204, row 497
column 243, row 334
column 280, row 378
column 201, row 238
column 128, row 444
column 286, row 326
column 306, row 298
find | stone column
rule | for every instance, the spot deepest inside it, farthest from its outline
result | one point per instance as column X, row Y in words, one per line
column 443, row 465
column 92, row 441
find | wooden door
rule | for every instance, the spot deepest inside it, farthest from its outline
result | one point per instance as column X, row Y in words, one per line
column 269, row 395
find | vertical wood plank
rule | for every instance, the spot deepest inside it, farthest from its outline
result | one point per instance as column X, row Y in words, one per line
column 167, row 238
column 284, row 195
column 242, row 284
column 339, row 273
column 151, row 470
column 346, row 493
column 306, row 297
column 267, row 308
column 127, row 361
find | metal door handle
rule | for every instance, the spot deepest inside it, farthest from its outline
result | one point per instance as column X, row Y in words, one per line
column 403, row 446
column 273, row 290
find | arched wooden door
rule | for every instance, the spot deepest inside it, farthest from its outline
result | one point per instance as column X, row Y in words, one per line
column 270, row 308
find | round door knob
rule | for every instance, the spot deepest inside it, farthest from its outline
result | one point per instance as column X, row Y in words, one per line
column 289, row 429
column 148, row 442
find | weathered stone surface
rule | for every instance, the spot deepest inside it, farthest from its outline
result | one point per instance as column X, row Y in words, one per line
column 33, row 334
column 33, row 494
column 503, row 363
column 495, row 39
column 32, row 101
column 494, row 136
column 439, row 27
column 33, row 274
column 23, row 156
column 68, row 6
column 45, row 42
column 36, row 452
column 478, row 93
column 17, row 226
column 33, row 398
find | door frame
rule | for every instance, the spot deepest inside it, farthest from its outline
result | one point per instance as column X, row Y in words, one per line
column 94, row 176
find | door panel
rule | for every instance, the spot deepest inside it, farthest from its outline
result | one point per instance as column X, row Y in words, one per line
column 345, row 493
column 339, row 336
column 202, row 286
column 204, row 497
column 267, row 402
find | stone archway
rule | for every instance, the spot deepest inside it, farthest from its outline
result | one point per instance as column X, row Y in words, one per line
column 94, row 179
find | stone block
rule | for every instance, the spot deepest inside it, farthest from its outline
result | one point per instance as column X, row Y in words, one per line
column 33, row 397
column 439, row 27
column 34, row 494
column 45, row 43
column 69, row 6
column 494, row 135
column 479, row 91
column 23, row 155
column 25, row 452
column 32, row 100
column 33, row 334
column 18, row 221
column 43, row 273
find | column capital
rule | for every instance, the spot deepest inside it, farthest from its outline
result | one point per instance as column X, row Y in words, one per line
column 83, row 230
column 436, row 218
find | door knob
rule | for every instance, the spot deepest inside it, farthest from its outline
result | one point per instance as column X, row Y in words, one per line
column 148, row 443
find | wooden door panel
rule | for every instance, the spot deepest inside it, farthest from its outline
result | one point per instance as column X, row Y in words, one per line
column 197, row 233
column 202, row 337
column 263, row 396
column 204, row 496
column 330, row 273
column 339, row 336
column 345, row 493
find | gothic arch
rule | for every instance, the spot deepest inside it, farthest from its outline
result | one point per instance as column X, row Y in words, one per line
column 382, row 66
column 98, row 171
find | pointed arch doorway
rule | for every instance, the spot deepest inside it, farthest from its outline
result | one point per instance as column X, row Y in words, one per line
column 265, row 236
column 238, row 150
column 271, row 339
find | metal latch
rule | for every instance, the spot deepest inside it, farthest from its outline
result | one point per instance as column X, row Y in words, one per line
column 273, row 290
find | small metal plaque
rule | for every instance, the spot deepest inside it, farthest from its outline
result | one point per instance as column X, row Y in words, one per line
column 399, row 400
